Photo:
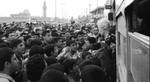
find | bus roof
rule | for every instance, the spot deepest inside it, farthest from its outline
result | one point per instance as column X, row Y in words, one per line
column 122, row 5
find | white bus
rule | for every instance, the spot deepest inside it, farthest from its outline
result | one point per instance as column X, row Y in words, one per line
column 133, row 40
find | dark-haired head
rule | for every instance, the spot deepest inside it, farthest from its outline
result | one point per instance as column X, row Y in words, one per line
column 35, row 42
column 68, row 64
column 49, row 50
column 36, row 49
column 35, row 67
column 3, row 44
column 8, row 61
column 14, row 43
column 56, row 66
column 5, row 56
column 91, row 40
column 53, row 75
column 93, row 73
column 51, row 60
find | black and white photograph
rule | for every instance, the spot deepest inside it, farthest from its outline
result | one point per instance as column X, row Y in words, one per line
column 74, row 40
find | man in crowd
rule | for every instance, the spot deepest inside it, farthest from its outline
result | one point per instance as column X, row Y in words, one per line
column 8, row 64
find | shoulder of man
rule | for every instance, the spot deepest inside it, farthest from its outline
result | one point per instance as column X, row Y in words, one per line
column 4, row 80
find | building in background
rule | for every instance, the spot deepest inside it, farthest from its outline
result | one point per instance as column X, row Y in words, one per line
column 24, row 14
column 97, row 13
column 20, row 17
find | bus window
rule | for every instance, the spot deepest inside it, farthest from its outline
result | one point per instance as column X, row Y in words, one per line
column 143, row 17
column 138, row 17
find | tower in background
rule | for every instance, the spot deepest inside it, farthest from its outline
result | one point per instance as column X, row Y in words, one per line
column 44, row 9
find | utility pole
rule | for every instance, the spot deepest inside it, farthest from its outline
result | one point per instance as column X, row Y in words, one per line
column 55, row 9
column 114, row 9
column 97, row 6
column 62, row 9
column 89, row 6
column 86, row 11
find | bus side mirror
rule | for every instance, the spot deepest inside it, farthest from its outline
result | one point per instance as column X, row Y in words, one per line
column 110, row 16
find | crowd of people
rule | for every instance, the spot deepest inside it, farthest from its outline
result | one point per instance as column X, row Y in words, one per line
column 33, row 52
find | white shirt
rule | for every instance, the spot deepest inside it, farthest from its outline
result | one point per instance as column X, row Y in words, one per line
column 6, row 78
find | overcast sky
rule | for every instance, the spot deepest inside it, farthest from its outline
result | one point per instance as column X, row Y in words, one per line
column 65, row 8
